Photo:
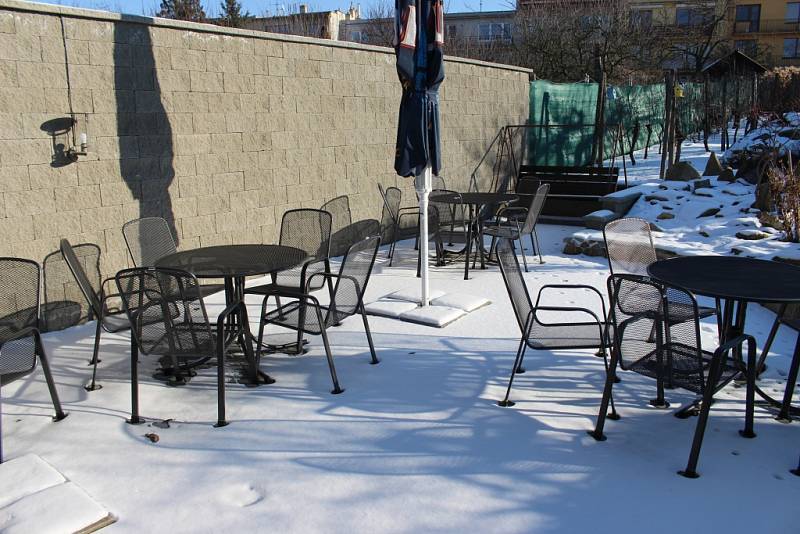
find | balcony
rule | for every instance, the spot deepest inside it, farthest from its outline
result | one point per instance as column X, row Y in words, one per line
column 775, row 26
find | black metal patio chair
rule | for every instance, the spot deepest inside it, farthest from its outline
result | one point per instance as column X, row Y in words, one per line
column 453, row 218
column 397, row 223
column 537, row 332
column 513, row 222
column 630, row 250
column 20, row 339
column 171, row 322
column 307, row 315
column 670, row 352
column 97, row 298
column 149, row 239
column 309, row 230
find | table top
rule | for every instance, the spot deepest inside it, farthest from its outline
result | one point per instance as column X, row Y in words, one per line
column 233, row 260
column 731, row 277
column 476, row 198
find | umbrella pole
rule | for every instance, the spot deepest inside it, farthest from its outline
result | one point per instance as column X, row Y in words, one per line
column 423, row 186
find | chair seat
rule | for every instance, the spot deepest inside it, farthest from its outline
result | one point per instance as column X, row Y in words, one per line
column 291, row 279
column 508, row 232
column 686, row 371
column 568, row 336
column 288, row 316
column 116, row 322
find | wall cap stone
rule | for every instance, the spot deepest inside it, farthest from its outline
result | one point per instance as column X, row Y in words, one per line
column 94, row 14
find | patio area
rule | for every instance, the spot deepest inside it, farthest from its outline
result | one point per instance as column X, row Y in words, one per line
column 416, row 443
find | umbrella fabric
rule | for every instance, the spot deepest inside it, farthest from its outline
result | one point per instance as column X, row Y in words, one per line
column 418, row 45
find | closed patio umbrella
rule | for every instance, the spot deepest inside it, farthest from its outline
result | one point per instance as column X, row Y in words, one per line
column 418, row 41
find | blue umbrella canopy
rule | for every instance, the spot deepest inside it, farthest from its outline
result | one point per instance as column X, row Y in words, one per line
column 419, row 37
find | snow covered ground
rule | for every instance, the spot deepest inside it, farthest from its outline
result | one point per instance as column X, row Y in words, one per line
column 417, row 443
column 708, row 220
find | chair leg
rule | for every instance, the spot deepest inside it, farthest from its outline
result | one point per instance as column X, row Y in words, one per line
column 517, row 362
column 522, row 252
column 597, row 433
column 48, row 375
column 336, row 389
column 301, row 321
column 135, row 419
column 374, row 359
column 96, row 351
column 614, row 416
column 702, row 420
column 538, row 247
column 93, row 386
column 770, row 338
column 791, row 380
column 221, row 380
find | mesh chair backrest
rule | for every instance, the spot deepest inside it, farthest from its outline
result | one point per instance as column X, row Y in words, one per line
column 19, row 295
column 148, row 239
column 78, row 267
column 19, row 309
column 307, row 229
column 437, row 182
column 535, row 209
column 629, row 245
column 342, row 240
column 515, row 284
column 169, row 319
column 63, row 303
column 448, row 212
column 392, row 197
column 638, row 308
column 353, row 278
column 339, row 208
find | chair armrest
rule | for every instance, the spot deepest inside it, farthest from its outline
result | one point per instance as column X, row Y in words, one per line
column 574, row 286
column 566, row 309
column 331, row 275
column 413, row 208
column 506, row 209
column 736, row 342
column 400, row 217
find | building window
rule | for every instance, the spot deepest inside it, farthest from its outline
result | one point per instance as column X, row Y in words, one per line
column 791, row 48
column 747, row 18
column 357, row 36
column 746, row 46
column 642, row 18
column 793, row 12
column 495, row 31
column 687, row 16
column 452, row 30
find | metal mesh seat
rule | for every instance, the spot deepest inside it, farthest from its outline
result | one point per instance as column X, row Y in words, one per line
column 537, row 331
column 670, row 352
column 630, row 250
column 341, row 218
column 309, row 316
column 20, row 340
column 310, row 231
column 149, row 239
column 171, row 322
column 95, row 296
column 520, row 221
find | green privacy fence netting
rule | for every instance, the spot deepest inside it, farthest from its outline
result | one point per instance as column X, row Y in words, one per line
column 569, row 111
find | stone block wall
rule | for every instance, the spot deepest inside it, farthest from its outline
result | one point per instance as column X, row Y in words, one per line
column 219, row 131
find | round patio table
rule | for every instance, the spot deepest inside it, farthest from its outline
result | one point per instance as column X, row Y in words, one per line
column 735, row 280
column 233, row 263
column 476, row 201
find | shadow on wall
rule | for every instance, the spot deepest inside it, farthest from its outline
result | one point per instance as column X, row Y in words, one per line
column 145, row 147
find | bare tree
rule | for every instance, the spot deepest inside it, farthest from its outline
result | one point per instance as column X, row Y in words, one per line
column 702, row 34
column 561, row 40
